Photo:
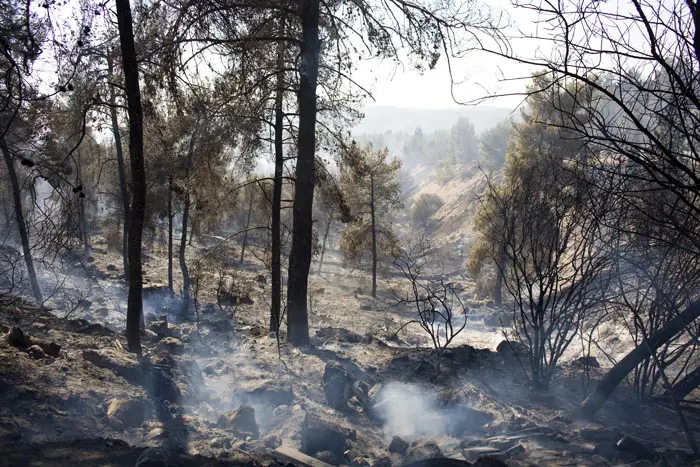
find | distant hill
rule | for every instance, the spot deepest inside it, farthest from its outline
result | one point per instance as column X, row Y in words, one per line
column 381, row 119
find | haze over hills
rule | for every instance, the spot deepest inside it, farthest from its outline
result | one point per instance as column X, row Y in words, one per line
column 380, row 119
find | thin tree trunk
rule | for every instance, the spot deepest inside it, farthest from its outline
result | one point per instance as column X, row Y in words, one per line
column 123, row 192
column 374, row 237
column 21, row 225
column 275, row 307
column 82, row 220
column 138, row 174
column 616, row 374
column 183, row 263
column 247, row 225
column 325, row 238
column 498, row 288
column 302, row 229
column 170, row 235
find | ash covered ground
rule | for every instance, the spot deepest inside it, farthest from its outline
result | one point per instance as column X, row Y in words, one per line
column 217, row 389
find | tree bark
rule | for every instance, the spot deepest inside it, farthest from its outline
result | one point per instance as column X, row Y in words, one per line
column 119, row 149
column 170, row 235
column 325, row 238
column 500, row 267
column 82, row 218
column 21, row 225
column 183, row 263
column 302, row 229
column 616, row 374
column 685, row 386
column 275, row 307
column 247, row 224
column 374, row 236
column 138, row 174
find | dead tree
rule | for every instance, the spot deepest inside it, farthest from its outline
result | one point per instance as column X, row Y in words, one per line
column 438, row 305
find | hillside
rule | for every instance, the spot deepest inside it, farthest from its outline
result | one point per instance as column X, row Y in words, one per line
column 382, row 119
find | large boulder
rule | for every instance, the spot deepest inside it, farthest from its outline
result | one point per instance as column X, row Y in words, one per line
column 274, row 393
column 127, row 413
column 420, row 451
column 321, row 435
column 241, row 422
column 337, row 385
column 121, row 363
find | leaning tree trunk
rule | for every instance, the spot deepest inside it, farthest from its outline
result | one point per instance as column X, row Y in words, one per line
column 21, row 225
column 123, row 192
column 325, row 239
column 302, row 229
column 170, row 235
column 685, row 386
column 138, row 174
column 276, row 279
column 374, row 236
column 183, row 263
column 616, row 374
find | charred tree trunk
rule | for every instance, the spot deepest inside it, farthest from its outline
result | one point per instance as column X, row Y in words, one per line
column 138, row 174
column 247, row 226
column 374, row 235
column 275, row 307
column 685, row 386
column 170, row 236
column 498, row 288
column 302, row 229
column 21, row 225
column 616, row 374
column 119, row 149
column 82, row 219
column 183, row 263
column 325, row 238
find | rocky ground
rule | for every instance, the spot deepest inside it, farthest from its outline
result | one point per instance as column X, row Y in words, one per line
column 223, row 392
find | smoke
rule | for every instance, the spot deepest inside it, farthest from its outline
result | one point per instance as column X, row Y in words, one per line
column 411, row 411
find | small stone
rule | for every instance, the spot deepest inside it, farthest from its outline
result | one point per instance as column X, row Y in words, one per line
column 360, row 462
column 36, row 352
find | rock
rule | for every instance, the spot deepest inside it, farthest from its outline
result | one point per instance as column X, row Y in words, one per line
column 17, row 338
column 261, row 279
column 360, row 462
column 329, row 457
column 338, row 335
column 382, row 462
column 320, row 435
column 421, row 451
column 240, row 421
column 598, row 435
column 337, row 385
column 36, row 352
column 111, row 268
column 170, row 345
column 488, row 461
column 599, row 460
column 160, row 328
column 274, row 393
column 512, row 348
column 589, row 361
column 475, row 452
column 126, row 412
column 635, row 446
column 398, row 446
column 121, row 363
